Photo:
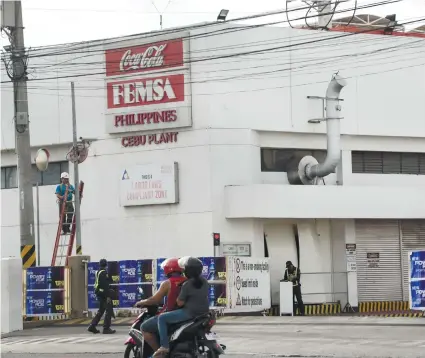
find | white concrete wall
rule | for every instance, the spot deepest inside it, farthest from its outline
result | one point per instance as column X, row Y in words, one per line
column 323, row 202
column 281, row 247
column 11, row 295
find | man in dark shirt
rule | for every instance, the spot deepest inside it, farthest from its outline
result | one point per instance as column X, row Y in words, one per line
column 103, row 293
column 293, row 274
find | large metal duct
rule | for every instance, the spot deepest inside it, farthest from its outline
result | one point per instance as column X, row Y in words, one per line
column 309, row 168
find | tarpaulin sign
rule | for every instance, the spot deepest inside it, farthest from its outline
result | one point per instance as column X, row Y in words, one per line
column 417, row 265
column 214, row 268
column 45, row 278
column 135, row 271
column 417, row 293
column 44, row 302
column 217, row 295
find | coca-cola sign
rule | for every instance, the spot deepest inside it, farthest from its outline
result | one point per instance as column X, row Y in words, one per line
column 146, row 91
column 149, row 57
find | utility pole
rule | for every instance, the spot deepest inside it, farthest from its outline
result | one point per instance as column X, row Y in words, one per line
column 76, row 175
column 12, row 16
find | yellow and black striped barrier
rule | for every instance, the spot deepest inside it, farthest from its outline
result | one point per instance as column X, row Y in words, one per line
column 324, row 309
column 28, row 256
column 383, row 306
column 406, row 314
column 79, row 250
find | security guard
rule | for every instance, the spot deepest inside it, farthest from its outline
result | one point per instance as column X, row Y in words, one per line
column 293, row 275
column 103, row 293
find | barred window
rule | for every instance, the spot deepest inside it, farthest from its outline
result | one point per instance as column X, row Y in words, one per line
column 388, row 163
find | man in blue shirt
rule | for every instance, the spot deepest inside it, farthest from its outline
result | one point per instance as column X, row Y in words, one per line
column 69, row 207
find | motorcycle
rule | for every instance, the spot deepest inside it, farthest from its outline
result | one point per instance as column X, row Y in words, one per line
column 189, row 339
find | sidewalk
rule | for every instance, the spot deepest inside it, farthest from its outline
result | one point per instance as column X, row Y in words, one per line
column 320, row 320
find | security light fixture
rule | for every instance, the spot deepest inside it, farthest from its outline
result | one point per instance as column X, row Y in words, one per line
column 392, row 19
column 222, row 15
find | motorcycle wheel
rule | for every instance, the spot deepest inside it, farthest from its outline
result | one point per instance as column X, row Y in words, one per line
column 131, row 351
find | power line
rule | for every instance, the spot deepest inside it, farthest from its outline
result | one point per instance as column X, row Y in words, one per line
column 151, row 36
column 251, row 52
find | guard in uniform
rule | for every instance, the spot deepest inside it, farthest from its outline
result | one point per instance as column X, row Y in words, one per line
column 293, row 274
column 103, row 293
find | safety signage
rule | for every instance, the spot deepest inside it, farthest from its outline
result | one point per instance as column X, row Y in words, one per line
column 248, row 282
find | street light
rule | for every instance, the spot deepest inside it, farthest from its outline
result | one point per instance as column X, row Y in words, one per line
column 222, row 15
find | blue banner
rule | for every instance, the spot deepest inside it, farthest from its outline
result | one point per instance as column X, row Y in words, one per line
column 214, row 268
column 128, row 296
column 417, row 265
column 44, row 302
column 45, row 278
column 135, row 271
column 92, row 267
column 417, row 291
column 93, row 303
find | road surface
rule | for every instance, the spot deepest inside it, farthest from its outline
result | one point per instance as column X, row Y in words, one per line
column 246, row 337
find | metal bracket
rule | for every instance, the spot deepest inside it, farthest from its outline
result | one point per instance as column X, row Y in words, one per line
column 324, row 118
column 22, row 118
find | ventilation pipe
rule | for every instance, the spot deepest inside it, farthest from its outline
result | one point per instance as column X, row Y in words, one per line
column 308, row 168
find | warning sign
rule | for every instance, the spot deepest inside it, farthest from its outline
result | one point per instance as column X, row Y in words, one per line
column 249, row 282
column 125, row 175
column 372, row 259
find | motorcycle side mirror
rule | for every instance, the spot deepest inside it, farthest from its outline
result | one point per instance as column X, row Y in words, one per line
column 140, row 290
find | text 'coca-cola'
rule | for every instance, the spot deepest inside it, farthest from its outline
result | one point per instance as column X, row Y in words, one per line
column 144, row 58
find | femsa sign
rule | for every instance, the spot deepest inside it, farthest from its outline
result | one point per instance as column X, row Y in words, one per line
column 146, row 80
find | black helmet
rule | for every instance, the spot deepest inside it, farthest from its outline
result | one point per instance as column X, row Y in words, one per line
column 103, row 263
column 192, row 266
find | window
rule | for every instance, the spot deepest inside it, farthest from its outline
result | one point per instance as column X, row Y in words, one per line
column 9, row 175
column 388, row 163
column 9, row 178
column 277, row 160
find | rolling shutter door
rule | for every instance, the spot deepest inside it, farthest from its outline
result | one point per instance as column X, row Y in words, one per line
column 413, row 239
column 379, row 276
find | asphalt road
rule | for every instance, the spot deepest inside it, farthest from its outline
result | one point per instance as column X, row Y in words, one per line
column 243, row 338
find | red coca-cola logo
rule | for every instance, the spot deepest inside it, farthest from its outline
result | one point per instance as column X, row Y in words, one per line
column 144, row 58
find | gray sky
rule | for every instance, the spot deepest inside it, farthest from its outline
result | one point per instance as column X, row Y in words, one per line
column 50, row 22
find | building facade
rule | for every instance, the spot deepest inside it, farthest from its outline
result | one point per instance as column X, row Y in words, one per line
column 194, row 132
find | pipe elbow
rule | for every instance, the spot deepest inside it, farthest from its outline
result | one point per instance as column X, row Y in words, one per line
column 335, row 86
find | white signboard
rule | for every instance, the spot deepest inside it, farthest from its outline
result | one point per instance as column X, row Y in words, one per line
column 236, row 249
column 248, row 284
column 149, row 184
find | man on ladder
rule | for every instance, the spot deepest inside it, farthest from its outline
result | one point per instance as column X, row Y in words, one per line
column 69, row 207
column 103, row 293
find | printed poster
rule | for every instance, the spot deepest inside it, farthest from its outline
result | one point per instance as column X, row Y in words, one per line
column 417, row 292
column 44, row 302
column 45, row 278
column 417, row 265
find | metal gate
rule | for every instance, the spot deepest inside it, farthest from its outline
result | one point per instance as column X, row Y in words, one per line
column 413, row 239
column 379, row 269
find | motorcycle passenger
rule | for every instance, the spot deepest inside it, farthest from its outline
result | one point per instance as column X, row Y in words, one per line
column 170, row 289
column 193, row 300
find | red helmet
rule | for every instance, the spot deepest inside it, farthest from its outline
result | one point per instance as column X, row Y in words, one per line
column 170, row 266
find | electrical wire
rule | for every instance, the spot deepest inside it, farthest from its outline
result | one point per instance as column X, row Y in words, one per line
column 151, row 36
column 211, row 58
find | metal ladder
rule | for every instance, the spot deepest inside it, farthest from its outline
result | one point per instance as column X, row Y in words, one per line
column 65, row 242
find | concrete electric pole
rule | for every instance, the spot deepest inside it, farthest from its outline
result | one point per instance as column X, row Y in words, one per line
column 12, row 24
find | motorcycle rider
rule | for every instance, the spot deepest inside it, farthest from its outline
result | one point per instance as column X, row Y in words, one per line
column 170, row 289
column 193, row 300
column 103, row 294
